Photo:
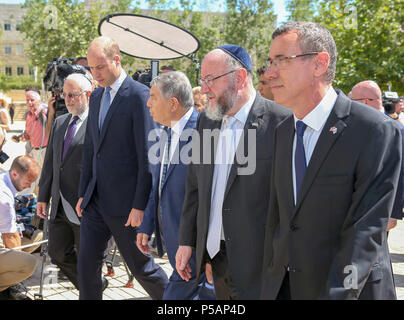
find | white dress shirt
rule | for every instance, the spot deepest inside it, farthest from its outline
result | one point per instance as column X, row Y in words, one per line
column 315, row 122
column 7, row 210
column 176, row 132
column 224, row 158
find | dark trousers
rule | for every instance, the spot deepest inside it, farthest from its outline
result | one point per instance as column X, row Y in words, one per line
column 64, row 244
column 224, row 285
column 95, row 232
column 284, row 291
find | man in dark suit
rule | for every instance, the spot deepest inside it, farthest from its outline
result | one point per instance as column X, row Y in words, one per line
column 115, row 183
column 226, row 197
column 60, row 177
column 171, row 104
column 334, row 179
column 368, row 92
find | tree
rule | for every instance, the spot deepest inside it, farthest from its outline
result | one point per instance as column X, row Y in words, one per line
column 300, row 10
column 61, row 28
column 250, row 23
column 369, row 39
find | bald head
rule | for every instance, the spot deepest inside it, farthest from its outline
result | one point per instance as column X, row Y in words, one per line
column 367, row 92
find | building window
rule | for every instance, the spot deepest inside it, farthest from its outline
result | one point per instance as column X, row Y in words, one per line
column 17, row 26
column 19, row 49
column 8, row 71
column 7, row 49
column 31, row 72
column 7, row 26
column 20, row 71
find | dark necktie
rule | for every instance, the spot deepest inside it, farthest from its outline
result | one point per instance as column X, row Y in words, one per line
column 166, row 159
column 300, row 156
column 71, row 130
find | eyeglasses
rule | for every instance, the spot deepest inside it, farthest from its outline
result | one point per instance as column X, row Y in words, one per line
column 365, row 99
column 281, row 62
column 65, row 95
column 209, row 81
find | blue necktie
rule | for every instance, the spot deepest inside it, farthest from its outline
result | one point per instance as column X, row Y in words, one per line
column 71, row 130
column 166, row 159
column 300, row 156
column 105, row 106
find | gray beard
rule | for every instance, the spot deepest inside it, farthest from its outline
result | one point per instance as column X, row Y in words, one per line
column 223, row 105
column 218, row 112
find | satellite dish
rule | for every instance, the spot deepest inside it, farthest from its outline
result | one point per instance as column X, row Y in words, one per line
column 148, row 38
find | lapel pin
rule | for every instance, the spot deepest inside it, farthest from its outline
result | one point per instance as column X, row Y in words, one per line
column 333, row 130
column 255, row 124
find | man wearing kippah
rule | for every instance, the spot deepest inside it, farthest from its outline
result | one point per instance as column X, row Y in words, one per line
column 226, row 197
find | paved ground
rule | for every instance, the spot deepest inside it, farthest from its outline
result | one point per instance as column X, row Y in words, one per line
column 58, row 289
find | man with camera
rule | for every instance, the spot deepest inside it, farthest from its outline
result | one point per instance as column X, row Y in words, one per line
column 61, row 175
column 369, row 93
column 15, row 266
column 35, row 128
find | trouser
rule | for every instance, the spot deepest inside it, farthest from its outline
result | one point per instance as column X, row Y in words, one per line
column 15, row 266
column 95, row 231
column 224, row 285
column 64, row 245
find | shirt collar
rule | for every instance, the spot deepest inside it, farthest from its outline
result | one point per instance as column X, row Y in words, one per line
column 319, row 115
column 9, row 183
column 118, row 82
column 82, row 116
column 179, row 126
column 242, row 114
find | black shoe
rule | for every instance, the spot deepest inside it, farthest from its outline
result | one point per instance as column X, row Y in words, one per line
column 18, row 292
column 104, row 283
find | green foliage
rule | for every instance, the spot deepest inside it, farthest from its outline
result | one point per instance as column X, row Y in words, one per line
column 57, row 28
column 300, row 10
column 8, row 83
column 250, row 24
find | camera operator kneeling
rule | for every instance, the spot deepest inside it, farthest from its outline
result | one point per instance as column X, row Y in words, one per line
column 15, row 266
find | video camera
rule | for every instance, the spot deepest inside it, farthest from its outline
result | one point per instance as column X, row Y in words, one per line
column 55, row 75
column 25, row 206
column 389, row 100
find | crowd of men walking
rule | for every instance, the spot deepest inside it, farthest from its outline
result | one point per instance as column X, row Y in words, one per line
column 285, row 193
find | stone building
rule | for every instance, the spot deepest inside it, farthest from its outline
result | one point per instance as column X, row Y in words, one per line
column 13, row 59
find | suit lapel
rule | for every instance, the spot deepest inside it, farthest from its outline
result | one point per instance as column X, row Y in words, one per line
column 332, row 130
column 184, row 139
column 286, row 135
column 95, row 104
column 114, row 106
column 254, row 120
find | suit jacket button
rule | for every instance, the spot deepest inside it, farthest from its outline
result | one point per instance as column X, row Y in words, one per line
column 293, row 227
column 61, row 168
column 98, row 155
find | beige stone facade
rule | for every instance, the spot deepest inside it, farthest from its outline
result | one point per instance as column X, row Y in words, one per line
column 12, row 45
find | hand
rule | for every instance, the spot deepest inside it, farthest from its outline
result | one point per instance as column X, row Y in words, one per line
column 41, row 210
column 182, row 257
column 51, row 105
column 78, row 207
column 392, row 223
column 142, row 242
column 135, row 218
column 209, row 273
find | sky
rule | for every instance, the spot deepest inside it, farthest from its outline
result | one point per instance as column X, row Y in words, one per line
column 279, row 7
